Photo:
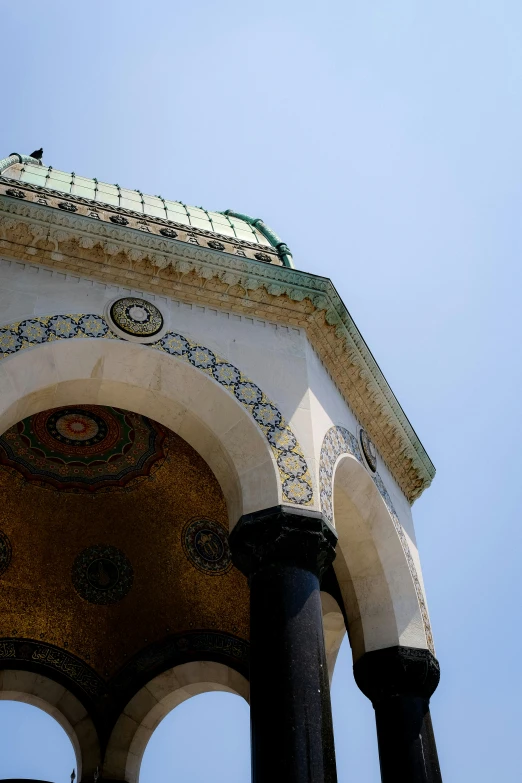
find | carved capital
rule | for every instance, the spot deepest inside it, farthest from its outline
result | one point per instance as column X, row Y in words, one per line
column 283, row 536
column 397, row 671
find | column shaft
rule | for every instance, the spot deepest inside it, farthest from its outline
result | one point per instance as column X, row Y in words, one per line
column 283, row 552
column 399, row 681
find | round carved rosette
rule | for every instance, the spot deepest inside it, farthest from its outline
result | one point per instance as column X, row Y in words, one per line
column 102, row 574
column 5, row 553
column 369, row 450
column 136, row 317
column 206, row 545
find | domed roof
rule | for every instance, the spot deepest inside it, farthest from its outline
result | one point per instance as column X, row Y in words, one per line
column 155, row 206
column 239, row 227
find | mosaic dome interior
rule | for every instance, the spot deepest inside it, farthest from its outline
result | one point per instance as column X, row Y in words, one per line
column 113, row 542
column 84, row 448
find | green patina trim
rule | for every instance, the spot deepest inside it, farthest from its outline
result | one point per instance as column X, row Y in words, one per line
column 14, row 157
column 275, row 241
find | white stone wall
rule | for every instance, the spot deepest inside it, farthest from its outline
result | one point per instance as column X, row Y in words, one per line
column 278, row 358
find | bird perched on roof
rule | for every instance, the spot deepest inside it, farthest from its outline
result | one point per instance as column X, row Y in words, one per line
column 37, row 154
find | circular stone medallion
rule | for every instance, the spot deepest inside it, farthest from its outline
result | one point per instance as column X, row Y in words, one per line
column 136, row 317
column 102, row 574
column 369, row 450
column 5, row 553
column 206, row 545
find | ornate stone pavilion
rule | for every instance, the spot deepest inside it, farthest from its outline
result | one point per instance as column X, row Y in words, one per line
column 205, row 480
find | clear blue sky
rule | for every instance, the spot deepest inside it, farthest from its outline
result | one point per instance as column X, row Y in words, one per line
column 383, row 142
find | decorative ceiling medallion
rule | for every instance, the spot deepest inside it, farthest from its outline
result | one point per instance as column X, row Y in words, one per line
column 136, row 317
column 206, row 545
column 84, row 449
column 5, row 553
column 102, row 574
column 369, row 450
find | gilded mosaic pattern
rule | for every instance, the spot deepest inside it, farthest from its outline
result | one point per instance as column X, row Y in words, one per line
column 338, row 441
column 206, row 545
column 137, row 317
column 293, row 470
column 5, row 553
column 169, row 596
column 102, row 575
column 84, row 449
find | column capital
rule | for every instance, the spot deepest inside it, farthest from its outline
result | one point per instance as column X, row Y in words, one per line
column 283, row 535
column 397, row 671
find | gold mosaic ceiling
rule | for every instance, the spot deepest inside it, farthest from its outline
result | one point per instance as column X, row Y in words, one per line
column 113, row 537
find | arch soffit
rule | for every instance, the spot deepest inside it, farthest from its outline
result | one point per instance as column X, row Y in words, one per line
column 153, row 702
column 376, row 567
column 63, row 706
column 334, row 629
column 205, row 399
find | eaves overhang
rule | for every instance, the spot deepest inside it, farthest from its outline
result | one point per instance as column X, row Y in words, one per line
column 128, row 255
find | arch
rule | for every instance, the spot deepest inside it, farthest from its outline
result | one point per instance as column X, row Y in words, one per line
column 381, row 589
column 185, row 386
column 334, row 630
column 153, row 702
column 63, row 706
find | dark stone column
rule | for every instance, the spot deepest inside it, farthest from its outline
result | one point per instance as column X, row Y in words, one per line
column 399, row 681
column 284, row 551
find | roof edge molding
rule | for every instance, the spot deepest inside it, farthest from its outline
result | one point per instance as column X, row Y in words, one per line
column 282, row 248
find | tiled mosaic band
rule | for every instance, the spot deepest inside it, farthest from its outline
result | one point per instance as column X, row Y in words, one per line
column 338, row 441
column 295, row 476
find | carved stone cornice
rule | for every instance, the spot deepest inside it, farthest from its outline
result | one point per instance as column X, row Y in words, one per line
column 128, row 256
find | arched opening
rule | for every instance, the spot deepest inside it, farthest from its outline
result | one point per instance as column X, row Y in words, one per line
column 154, row 702
column 374, row 576
column 207, row 737
column 353, row 717
column 155, row 384
column 35, row 745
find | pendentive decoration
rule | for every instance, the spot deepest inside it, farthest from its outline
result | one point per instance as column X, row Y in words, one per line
column 137, row 317
column 5, row 553
column 369, row 450
column 102, row 574
column 206, row 545
column 84, row 449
